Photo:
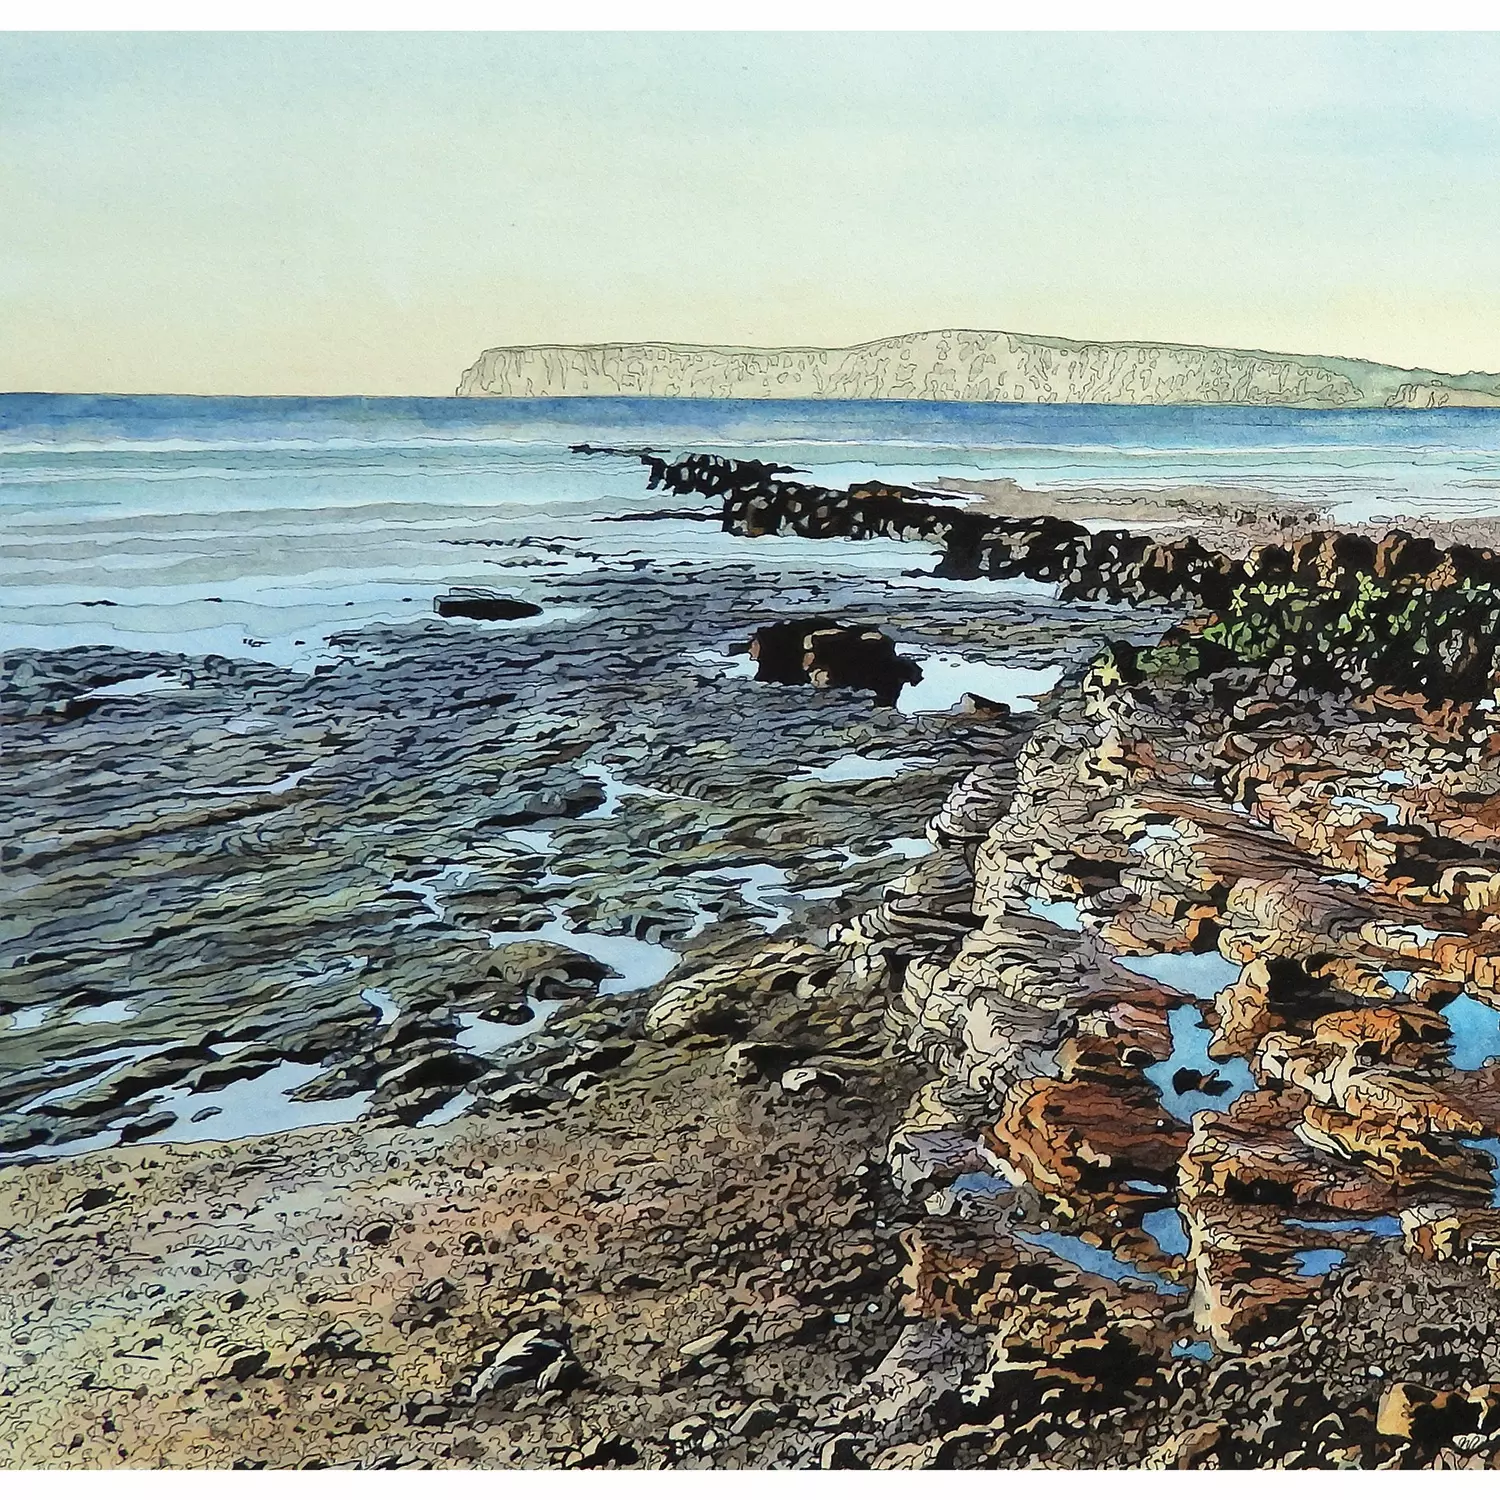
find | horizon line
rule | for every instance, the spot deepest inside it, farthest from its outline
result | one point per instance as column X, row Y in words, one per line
column 742, row 401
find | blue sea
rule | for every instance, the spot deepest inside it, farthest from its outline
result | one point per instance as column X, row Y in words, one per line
column 262, row 527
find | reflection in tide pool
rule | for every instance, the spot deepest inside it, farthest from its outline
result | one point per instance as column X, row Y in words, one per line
column 616, row 790
column 1095, row 1260
column 1190, row 1080
column 1476, row 1032
column 947, row 677
column 1388, row 811
column 1164, row 1225
column 255, row 1106
column 1199, row 974
column 489, row 1037
column 386, row 1008
column 637, row 964
column 109, row 1014
column 539, row 841
column 1062, row 914
column 762, row 887
column 909, row 848
column 727, row 664
column 1385, row 1227
column 1314, row 1263
column 1199, row 1349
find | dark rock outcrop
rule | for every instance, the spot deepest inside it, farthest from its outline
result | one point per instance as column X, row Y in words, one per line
column 1332, row 609
column 827, row 654
column 482, row 604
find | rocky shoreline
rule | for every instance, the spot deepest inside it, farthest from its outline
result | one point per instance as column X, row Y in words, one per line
column 761, row 1073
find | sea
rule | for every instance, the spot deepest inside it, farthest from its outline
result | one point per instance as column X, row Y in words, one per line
column 263, row 527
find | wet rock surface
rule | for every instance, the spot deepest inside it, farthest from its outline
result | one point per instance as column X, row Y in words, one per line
column 748, row 1074
column 351, row 890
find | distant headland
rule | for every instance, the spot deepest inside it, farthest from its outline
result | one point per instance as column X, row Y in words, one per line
column 970, row 365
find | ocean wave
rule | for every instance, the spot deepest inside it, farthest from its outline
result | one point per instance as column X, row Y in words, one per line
column 273, row 445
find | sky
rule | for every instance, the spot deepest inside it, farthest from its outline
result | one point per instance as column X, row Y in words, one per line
column 296, row 213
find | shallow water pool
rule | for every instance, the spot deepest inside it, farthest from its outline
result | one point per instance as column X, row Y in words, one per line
column 1190, row 1039
column 1200, row 974
column 1476, row 1032
column 1096, row 1260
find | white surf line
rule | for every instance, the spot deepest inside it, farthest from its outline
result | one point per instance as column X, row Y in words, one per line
column 731, row 666
column 284, row 784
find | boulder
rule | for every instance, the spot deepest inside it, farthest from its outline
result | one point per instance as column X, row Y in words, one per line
column 1247, row 1160
column 1403, row 1158
column 824, row 653
column 1270, row 992
column 1245, row 1286
column 1076, row 1138
column 531, row 1356
column 1429, row 1418
column 1441, row 1231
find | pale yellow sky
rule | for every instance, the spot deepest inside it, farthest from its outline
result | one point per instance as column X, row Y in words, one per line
column 364, row 213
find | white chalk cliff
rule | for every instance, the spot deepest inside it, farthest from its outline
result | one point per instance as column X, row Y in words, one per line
column 964, row 365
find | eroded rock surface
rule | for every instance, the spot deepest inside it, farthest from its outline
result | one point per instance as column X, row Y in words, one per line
column 742, row 1073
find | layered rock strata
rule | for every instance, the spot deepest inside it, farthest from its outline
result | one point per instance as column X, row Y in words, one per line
column 967, row 365
column 1211, row 996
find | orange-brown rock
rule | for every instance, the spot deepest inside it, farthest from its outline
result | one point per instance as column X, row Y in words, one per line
column 1142, row 1020
column 1418, row 1414
column 1443, row 1231
column 1408, row 1036
column 1464, row 958
column 1098, row 1057
column 1477, row 1091
column 1091, row 1334
column 1405, row 1159
column 1076, row 1138
column 1333, row 1075
column 1113, row 1045
column 1243, row 1159
column 951, row 1272
column 1359, row 977
column 1187, row 1450
column 1240, row 1258
column 1383, row 1095
column 1160, row 924
column 971, row 1273
column 1269, row 993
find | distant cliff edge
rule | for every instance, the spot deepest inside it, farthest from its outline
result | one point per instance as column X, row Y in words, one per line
column 963, row 365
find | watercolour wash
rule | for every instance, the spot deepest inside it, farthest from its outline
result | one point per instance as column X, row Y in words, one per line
column 633, row 840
